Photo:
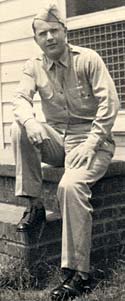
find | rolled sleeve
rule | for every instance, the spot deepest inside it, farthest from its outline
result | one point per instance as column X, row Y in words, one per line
column 23, row 100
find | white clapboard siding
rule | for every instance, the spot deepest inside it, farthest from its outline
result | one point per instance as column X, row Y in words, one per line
column 1, row 121
column 7, row 131
column 16, row 29
column 8, row 91
column 11, row 72
column 11, row 10
column 18, row 50
column 7, row 112
column 6, row 155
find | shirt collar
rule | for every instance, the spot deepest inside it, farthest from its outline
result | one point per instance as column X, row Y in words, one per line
column 63, row 60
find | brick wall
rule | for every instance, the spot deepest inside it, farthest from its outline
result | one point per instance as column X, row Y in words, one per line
column 108, row 200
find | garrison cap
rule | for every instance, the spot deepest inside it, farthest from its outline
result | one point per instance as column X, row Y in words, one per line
column 50, row 13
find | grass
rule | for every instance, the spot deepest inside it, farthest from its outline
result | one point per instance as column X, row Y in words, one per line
column 18, row 283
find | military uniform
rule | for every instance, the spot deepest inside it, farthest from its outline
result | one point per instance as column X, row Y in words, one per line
column 80, row 104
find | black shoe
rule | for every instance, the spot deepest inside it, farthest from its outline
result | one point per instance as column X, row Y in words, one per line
column 32, row 218
column 71, row 288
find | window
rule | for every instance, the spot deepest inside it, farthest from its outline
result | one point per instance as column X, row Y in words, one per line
column 91, row 25
column 109, row 41
column 81, row 7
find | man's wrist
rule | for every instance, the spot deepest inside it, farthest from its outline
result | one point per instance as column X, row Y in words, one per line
column 93, row 142
column 29, row 120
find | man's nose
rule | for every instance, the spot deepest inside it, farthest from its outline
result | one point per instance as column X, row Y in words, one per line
column 49, row 35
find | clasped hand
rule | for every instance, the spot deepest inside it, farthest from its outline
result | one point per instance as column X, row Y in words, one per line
column 80, row 155
column 34, row 131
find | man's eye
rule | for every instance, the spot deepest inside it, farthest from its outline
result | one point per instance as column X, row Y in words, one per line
column 42, row 34
column 54, row 30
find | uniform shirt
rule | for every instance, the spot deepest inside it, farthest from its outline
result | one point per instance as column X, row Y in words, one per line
column 77, row 94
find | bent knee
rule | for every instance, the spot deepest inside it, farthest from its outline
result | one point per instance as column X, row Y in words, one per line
column 74, row 183
column 67, row 183
column 16, row 131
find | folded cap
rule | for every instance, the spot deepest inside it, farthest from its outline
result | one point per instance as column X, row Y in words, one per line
column 50, row 13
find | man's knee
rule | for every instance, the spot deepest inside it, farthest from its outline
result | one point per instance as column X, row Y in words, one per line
column 72, row 179
column 75, row 194
column 67, row 184
column 74, row 185
column 16, row 131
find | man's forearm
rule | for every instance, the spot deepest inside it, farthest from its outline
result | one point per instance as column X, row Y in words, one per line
column 22, row 109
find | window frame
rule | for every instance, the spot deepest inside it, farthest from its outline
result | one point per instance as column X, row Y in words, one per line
column 100, row 18
column 96, row 18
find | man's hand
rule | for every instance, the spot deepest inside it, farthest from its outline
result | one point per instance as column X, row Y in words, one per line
column 80, row 156
column 34, row 131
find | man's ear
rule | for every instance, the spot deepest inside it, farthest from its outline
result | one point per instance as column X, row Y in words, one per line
column 35, row 39
column 65, row 30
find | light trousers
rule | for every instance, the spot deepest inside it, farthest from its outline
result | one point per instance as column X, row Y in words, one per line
column 74, row 189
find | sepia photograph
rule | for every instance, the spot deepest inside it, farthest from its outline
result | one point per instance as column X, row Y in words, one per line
column 62, row 150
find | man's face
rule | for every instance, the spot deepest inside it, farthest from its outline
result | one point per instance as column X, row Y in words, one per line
column 50, row 36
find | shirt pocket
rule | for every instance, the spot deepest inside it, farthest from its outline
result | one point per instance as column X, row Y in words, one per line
column 79, row 94
column 83, row 100
column 51, row 95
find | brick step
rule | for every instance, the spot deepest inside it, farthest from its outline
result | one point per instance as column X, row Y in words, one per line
column 108, row 237
column 112, row 182
column 28, row 246
column 108, row 218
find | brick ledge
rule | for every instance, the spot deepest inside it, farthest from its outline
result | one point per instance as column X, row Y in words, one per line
column 53, row 174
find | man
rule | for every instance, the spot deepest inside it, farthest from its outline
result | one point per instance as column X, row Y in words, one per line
column 80, row 104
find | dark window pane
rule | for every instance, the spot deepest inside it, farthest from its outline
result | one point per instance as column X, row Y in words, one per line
column 81, row 7
column 112, row 50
